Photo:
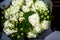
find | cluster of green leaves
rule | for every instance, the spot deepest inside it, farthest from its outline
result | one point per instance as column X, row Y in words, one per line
column 34, row 1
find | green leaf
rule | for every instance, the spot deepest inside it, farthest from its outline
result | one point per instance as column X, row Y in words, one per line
column 34, row 1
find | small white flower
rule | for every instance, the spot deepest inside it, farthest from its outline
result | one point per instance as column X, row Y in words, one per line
column 29, row 2
column 25, row 9
column 17, row 2
column 8, row 24
column 17, row 15
column 8, row 31
column 31, row 34
column 21, row 14
column 7, row 11
column 45, row 24
column 14, row 9
column 6, row 16
column 13, row 2
column 21, row 19
column 13, row 18
column 34, row 19
column 33, row 8
column 37, row 29
column 40, row 5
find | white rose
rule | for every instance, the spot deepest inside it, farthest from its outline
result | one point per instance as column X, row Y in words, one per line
column 34, row 19
column 21, row 14
column 31, row 34
column 37, row 29
column 17, row 15
column 13, row 18
column 40, row 5
column 33, row 8
column 8, row 24
column 29, row 2
column 6, row 15
column 45, row 24
column 17, row 2
column 14, row 9
column 25, row 9
column 21, row 19
column 8, row 31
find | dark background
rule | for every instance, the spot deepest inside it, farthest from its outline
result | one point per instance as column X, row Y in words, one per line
column 55, row 24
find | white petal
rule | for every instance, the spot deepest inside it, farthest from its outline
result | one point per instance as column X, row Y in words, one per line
column 21, row 19
column 8, row 24
column 13, row 18
column 8, row 31
column 34, row 19
column 25, row 9
column 17, row 2
column 7, row 16
column 31, row 34
column 29, row 2
column 40, row 5
column 37, row 29
column 33, row 8
column 45, row 24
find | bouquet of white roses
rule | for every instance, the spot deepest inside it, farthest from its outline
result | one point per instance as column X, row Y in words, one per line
column 26, row 18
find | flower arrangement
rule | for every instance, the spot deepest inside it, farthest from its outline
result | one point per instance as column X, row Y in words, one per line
column 26, row 18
